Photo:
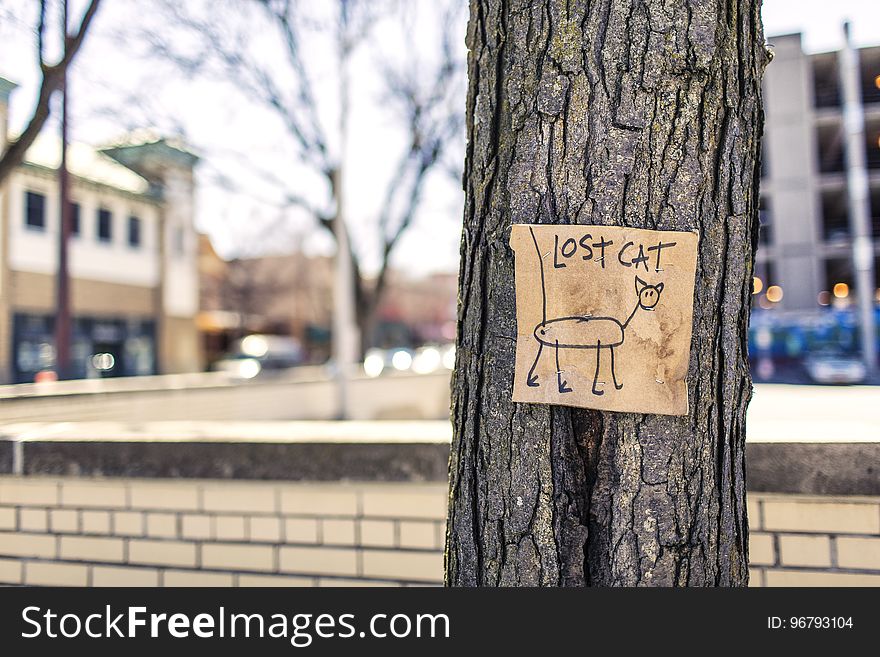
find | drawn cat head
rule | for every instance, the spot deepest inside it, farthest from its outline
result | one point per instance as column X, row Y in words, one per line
column 649, row 295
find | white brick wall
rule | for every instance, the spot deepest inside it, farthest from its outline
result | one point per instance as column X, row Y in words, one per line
column 799, row 540
column 129, row 532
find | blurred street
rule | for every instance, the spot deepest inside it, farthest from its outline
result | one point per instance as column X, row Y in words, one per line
column 778, row 412
column 786, row 413
column 306, row 394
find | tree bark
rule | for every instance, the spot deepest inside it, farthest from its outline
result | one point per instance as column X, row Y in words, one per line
column 611, row 112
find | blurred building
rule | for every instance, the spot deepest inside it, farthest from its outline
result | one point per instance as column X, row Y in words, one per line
column 806, row 248
column 289, row 294
column 417, row 310
column 134, row 279
column 292, row 294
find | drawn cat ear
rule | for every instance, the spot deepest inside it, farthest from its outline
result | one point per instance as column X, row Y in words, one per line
column 640, row 285
column 659, row 287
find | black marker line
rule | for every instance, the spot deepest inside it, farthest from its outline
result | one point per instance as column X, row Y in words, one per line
column 543, row 289
column 561, row 384
column 582, row 322
column 531, row 377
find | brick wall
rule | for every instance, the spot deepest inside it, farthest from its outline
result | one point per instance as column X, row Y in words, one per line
column 104, row 532
column 798, row 540
column 129, row 532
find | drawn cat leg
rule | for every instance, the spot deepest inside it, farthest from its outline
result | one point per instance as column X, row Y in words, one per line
column 617, row 385
column 532, row 378
column 563, row 385
column 596, row 391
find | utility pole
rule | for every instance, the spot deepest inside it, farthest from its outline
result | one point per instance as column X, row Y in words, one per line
column 857, row 197
column 345, row 336
column 63, row 322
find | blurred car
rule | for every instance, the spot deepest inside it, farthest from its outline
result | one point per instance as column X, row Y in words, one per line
column 835, row 367
column 423, row 360
column 260, row 354
column 379, row 361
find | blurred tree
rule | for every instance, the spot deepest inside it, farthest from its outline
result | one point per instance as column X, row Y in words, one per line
column 273, row 70
column 644, row 114
column 52, row 75
column 245, row 287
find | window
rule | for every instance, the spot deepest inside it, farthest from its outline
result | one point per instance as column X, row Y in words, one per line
column 35, row 211
column 826, row 80
column 875, row 213
column 830, row 141
column 134, row 231
column 840, row 280
column 105, row 225
column 765, row 233
column 74, row 219
column 872, row 145
column 835, row 215
column 869, row 62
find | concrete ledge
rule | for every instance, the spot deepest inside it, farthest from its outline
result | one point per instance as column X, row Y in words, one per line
column 283, row 451
column 415, row 451
column 814, row 468
column 311, row 461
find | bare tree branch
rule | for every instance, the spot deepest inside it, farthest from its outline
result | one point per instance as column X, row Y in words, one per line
column 230, row 51
column 292, row 39
column 52, row 75
column 423, row 95
column 430, row 130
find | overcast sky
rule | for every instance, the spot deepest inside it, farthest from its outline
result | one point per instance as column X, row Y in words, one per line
column 220, row 124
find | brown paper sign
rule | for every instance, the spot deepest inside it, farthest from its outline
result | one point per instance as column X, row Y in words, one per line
column 604, row 316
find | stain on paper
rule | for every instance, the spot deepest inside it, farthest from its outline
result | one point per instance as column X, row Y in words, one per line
column 604, row 316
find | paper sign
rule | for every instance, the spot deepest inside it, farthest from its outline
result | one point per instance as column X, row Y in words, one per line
column 604, row 316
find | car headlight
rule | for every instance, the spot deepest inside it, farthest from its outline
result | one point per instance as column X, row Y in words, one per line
column 401, row 360
column 248, row 368
column 426, row 361
column 373, row 365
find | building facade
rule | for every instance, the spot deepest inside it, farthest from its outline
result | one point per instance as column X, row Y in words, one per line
column 284, row 294
column 132, row 259
column 806, row 244
column 291, row 294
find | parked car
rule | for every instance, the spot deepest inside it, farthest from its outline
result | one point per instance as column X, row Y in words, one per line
column 379, row 361
column 261, row 354
column 423, row 360
column 835, row 367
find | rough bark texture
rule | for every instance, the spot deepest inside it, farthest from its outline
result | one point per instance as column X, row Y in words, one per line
column 613, row 112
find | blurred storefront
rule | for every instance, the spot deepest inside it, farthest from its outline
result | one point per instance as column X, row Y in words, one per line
column 101, row 346
column 133, row 272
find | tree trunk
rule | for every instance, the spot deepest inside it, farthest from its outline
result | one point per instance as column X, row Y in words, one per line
column 612, row 112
